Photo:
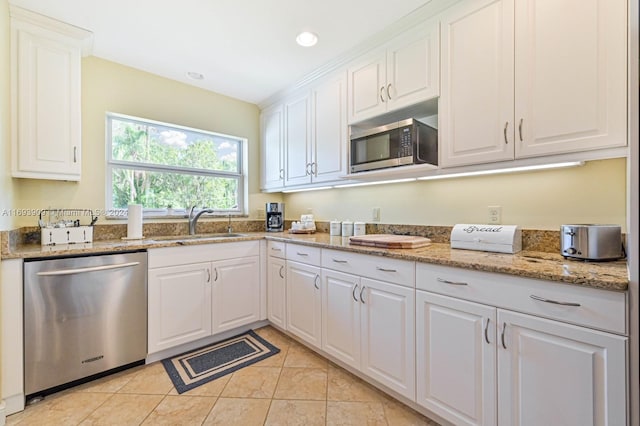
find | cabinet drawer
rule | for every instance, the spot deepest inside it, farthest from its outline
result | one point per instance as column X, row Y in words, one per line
column 303, row 254
column 276, row 249
column 599, row 309
column 375, row 267
column 170, row 256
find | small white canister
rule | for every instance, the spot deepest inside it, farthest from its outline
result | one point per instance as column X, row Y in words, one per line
column 359, row 228
column 347, row 228
column 335, row 228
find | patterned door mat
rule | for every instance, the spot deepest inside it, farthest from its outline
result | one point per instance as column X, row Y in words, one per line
column 200, row 366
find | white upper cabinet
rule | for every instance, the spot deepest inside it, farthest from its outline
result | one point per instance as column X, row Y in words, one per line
column 297, row 139
column 46, row 119
column 563, row 90
column 405, row 72
column 272, row 129
column 571, row 75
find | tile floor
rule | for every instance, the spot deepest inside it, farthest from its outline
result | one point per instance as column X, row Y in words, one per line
column 295, row 387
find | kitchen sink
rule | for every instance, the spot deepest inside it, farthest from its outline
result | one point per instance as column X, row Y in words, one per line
column 198, row 237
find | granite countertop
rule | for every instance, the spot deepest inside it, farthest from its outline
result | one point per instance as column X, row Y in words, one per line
column 530, row 264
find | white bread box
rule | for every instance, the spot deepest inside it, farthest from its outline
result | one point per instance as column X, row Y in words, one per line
column 496, row 238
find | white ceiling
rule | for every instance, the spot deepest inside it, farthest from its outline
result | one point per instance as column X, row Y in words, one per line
column 245, row 48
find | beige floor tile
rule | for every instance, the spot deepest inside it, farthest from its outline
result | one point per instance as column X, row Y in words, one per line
column 276, row 360
column 355, row 413
column 212, row 388
column 123, row 410
column 181, row 410
column 274, row 337
column 296, row 413
column 252, row 382
column 302, row 383
column 398, row 414
column 65, row 408
column 153, row 379
column 301, row 357
column 238, row 411
column 343, row 386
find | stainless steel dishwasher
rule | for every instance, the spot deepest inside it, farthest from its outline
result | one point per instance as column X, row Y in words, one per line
column 83, row 316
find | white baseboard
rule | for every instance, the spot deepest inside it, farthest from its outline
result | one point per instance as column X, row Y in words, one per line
column 3, row 414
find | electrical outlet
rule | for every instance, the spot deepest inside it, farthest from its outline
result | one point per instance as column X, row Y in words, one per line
column 260, row 213
column 495, row 215
column 309, row 210
column 375, row 214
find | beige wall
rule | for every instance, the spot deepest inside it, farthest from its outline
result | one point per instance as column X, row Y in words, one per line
column 593, row 193
column 110, row 87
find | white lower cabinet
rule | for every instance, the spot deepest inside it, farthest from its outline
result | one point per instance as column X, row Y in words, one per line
column 456, row 358
column 369, row 325
column 192, row 295
column 179, row 305
column 276, row 291
column 550, row 373
column 304, row 302
column 482, row 365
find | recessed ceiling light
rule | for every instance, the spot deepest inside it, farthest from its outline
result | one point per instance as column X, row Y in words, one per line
column 195, row 75
column 307, row 39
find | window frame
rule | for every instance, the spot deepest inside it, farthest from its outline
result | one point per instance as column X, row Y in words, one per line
column 111, row 163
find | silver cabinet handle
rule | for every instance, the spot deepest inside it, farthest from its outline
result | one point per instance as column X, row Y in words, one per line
column 208, row 275
column 281, row 175
column 385, row 270
column 315, row 282
column 506, row 126
column 302, row 254
column 555, row 302
column 389, row 91
column 280, row 272
column 306, row 169
column 216, row 271
column 520, row 129
column 442, row 280
column 486, row 331
column 353, row 293
column 75, row 154
column 504, row 327
column 382, row 93
column 362, row 291
column 314, row 169
column 339, row 261
column 89, row 269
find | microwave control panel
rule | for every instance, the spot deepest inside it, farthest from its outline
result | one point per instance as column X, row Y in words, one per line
column 405, row 148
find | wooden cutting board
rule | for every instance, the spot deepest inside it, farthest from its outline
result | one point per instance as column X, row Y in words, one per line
column 390, row 241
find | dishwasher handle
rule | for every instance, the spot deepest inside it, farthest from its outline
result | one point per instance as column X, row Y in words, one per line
column 88, row 269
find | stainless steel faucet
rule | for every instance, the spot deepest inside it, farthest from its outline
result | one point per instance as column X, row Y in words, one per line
column 229, row 228
column 193, row 218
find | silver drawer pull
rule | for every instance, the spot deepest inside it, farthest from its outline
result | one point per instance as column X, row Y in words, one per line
column 339, row 261
column 275, row 249
column 302, row 254
column 385, row 270
column 555, row 302
column 486, row 331
column 442, row 280
column 353, row 293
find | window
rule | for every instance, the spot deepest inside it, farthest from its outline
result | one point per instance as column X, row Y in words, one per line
column 164, row 166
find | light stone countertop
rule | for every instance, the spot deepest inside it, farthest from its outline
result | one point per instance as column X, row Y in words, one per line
column 531, row 264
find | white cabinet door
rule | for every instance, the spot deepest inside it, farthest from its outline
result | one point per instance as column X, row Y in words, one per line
column 272, row 128
column 179, row 305
column 236, row 293
column 388, row 335
column 476, row 102
column 276, row 291
column 46, row 99
column 413, row 67
column 304, row 302
column 329, row 129
column 456, row 359
column 341, row 316
column 551, row 373
column 297, row 138
column 571, row 62
column 367, row 84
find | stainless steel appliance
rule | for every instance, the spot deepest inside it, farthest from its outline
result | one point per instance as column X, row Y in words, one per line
column 275, row 217
column 82, row 316
column 401, row 143
column 591, row 242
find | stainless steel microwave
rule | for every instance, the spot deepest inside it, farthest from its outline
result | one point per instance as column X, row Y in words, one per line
column 397, row 144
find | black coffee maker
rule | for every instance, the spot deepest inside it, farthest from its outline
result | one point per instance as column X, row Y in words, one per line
column 275, row 217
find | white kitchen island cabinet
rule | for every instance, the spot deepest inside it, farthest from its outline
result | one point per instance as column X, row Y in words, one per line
column 46, row 113
column 200, row 291
column 543, row 365
column 531, row 78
